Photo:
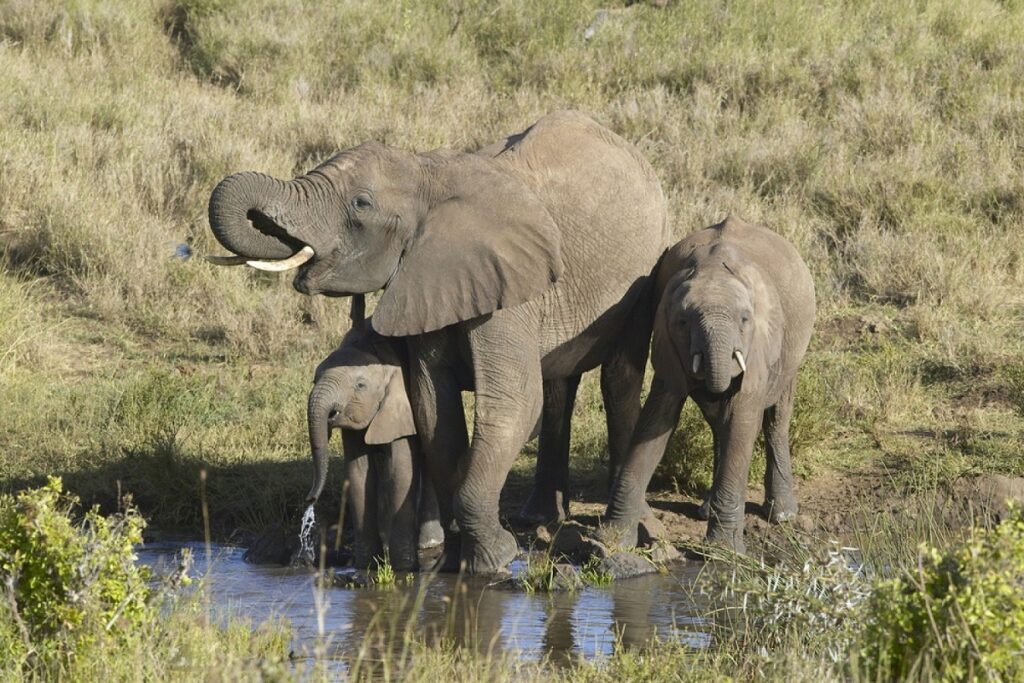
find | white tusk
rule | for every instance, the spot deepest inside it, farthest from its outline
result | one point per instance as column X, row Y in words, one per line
column 293, row 261
column 739, row 359
column 225, row 260
column 696, row 363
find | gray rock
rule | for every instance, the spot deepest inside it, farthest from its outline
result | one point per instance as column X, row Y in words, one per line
column 624, row 565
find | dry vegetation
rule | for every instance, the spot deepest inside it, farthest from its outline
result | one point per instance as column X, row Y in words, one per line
column 885, row 139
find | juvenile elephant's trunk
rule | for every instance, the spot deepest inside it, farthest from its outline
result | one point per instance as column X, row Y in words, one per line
column 247, row 211
column 718, row 360
column 317, row 415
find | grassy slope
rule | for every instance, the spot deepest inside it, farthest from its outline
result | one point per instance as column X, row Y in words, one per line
column 885, row 139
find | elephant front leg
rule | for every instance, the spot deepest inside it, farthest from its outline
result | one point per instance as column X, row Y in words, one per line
column 431, row 532
column 441, row 428
column 711, row 410
column 509, row 391
column 549, row 499
column 361, row 504
column 738, row 424
column 779, row 500
column 397, row 480
column 627, row 504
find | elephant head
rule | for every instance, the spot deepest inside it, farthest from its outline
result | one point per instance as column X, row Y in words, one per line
column 717, row 320
column 447, row 236
column 359, row 386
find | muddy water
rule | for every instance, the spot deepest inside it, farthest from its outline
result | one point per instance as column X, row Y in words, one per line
column 471, row 612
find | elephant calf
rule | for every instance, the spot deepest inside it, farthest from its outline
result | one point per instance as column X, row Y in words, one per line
column 360, row 389
column 735, row 308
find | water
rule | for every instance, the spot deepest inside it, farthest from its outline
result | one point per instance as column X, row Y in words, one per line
column 494, row 618
column 306, row 535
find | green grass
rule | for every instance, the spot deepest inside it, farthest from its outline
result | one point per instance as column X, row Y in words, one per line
column 885, row 143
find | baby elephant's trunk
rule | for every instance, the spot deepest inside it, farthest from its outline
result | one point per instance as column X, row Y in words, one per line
column 319, row 436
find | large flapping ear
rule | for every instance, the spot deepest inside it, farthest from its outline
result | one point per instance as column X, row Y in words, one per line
column 489, row 244
column 667, row 353
column 394, row 417
column 766, row 339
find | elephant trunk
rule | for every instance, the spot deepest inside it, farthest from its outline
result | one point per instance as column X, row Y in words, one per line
column 717, row 359
column 317, row 415
column 247, row 211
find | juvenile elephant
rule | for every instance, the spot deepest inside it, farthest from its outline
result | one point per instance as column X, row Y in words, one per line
column 734, row 316
column 360, row 389
column 528, row 261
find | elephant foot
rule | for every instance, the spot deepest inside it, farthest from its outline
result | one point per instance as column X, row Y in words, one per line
column 544, row 508
column 704, row 511
column 730, row 537
column 448, row 562
column 490, row 555
column 431, row 534
column 781, row 508
column 650, row 530
column 618, row 534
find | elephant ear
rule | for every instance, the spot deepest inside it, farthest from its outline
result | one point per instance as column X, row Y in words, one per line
column 488, row 244
column 766, row 340
column 394, row 417
column 667, row 356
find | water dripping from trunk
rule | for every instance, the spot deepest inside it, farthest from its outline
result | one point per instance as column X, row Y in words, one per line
column 306, row 549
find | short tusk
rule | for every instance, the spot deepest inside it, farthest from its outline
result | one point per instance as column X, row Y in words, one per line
column 696, row 363
column 293, row 261
column 739, row 359
column 226, row 260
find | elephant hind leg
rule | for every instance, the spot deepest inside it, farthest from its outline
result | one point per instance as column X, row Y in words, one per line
column 549, row 499
column 779, row 500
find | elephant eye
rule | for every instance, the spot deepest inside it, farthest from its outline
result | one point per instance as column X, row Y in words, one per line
column 360, row 385
column 361, row 202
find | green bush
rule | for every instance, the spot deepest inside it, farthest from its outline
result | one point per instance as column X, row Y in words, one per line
column 955, row 616
column 67, row 582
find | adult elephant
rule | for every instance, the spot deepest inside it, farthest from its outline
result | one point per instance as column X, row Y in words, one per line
column 524, row 264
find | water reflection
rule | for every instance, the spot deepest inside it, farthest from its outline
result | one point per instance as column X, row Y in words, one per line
column 492, row 618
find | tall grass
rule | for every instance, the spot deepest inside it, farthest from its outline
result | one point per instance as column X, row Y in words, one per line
column 885, row 143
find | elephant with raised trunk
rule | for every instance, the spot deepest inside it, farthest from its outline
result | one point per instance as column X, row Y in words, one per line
column 527, row 261
column 360, row 390
column 735, row 308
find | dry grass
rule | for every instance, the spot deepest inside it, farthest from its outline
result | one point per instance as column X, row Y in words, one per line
column 886, row 143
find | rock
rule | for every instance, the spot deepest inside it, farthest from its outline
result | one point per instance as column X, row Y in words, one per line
column 543, row 537
column 273, row 546
column 624, row 565
column 991, row 493
column 664, row 552
column 650, row 530
column 804, row 523
column 565, row 577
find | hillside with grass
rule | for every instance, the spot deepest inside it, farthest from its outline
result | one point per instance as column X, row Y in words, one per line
column 886, row 140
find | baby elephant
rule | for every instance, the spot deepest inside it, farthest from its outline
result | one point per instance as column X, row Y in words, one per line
column 360, row 389
column 734, row 317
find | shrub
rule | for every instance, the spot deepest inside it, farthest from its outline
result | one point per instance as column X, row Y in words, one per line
column 67, row 582
column 955, row 616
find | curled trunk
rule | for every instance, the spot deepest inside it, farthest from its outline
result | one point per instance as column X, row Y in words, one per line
column 247, row 212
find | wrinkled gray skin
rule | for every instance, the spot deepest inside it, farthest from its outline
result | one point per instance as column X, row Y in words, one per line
column 360, row 389
column 732, row 290
column 528, row 261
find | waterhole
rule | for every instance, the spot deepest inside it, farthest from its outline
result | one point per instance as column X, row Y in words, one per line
column 495, row 618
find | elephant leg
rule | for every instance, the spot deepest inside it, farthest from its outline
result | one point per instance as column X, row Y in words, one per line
column 622, row 380
column 710, row 410
column 441, row 428
column 779, row 501
column 738, row 423
column 549, row 499
column 362, row 508
column 509, row 396
column 627, row 504
column 431, row 532
column 396, row 483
